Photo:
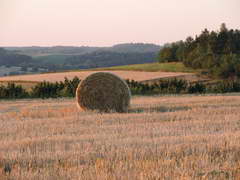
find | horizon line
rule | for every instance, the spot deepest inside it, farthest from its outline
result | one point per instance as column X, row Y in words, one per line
column 79, row 45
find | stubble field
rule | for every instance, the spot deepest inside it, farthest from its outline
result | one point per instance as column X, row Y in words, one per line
column 53, row 77
column 170, row 137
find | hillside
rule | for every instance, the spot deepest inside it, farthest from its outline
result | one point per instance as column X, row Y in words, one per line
column 75, row 50
column 60, row 58
column 55, row 50
column 153, row 67
column 8, row 58
column 134, row 47
column 108, row 59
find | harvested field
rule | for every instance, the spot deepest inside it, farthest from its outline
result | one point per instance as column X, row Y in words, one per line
column 53, row 77
column 170, row 137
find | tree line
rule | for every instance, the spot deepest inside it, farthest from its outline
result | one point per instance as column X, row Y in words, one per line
column 42, row 90
column 67, row 88
column 217, row 53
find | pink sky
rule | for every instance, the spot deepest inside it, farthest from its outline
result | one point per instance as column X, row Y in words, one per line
column 109, row 22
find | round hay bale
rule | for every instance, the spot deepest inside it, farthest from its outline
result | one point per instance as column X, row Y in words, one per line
column 104, row 92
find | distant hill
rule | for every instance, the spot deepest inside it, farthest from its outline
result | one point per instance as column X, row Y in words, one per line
column 109, row 58
column 59, row 58
column 135, row 47
column 75, row 50
column 9, row 58
column 55, row 50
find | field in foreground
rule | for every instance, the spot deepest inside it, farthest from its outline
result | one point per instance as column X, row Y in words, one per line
column 184, row 137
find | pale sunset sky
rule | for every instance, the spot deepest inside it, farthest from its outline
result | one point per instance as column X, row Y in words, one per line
column 109, row 22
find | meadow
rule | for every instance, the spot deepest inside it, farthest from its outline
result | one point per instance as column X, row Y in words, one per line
column 154, row 67
column 161, row 137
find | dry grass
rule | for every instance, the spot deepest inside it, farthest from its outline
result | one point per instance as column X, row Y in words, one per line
column 53, row 77
column 195, row 137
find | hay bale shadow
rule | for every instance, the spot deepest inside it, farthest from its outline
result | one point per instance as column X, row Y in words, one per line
column 162, row 109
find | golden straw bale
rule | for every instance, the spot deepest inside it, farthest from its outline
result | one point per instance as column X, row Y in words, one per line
column 104, row 92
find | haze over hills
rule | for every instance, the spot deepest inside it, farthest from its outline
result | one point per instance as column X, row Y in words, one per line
column 54, row 50
column 78, row 50
column 59, row 58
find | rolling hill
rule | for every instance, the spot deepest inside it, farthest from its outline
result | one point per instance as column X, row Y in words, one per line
column 78, row 50
column 60, row 58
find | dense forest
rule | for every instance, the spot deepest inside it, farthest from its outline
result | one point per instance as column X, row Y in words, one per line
column 217, row 53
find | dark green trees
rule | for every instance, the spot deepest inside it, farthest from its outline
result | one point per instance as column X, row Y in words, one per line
column 217, row 52
column 13, row 91
column 171, row 52
column 54, row 90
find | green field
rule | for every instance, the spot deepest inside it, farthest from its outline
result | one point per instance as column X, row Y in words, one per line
column 152, row 67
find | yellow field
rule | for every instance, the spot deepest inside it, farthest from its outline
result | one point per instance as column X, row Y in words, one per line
column 53, row 77
column 184, row 137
